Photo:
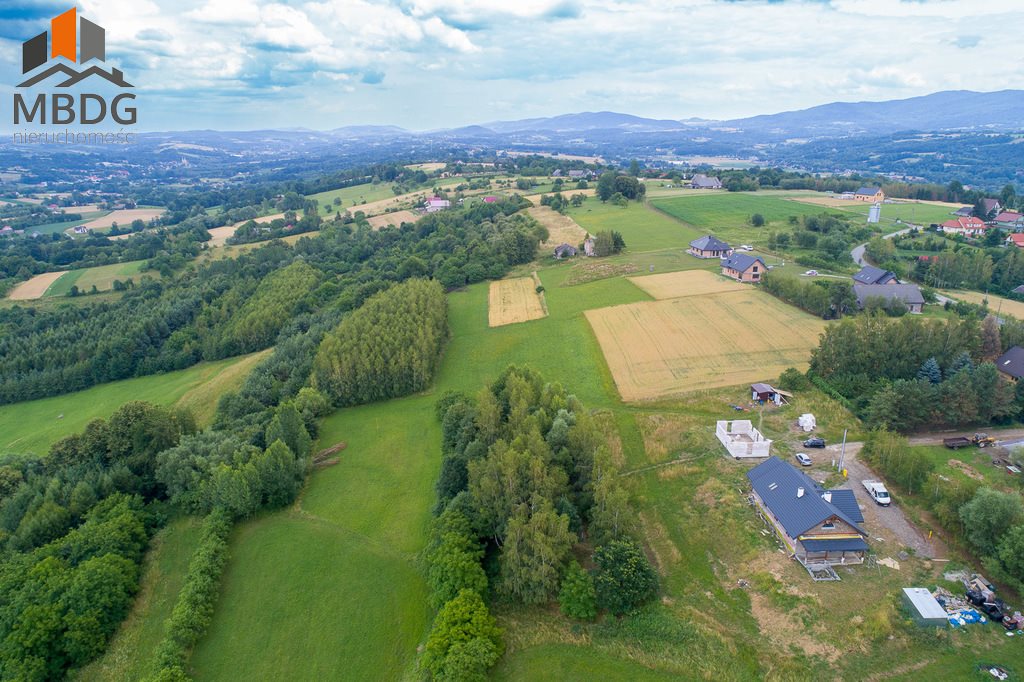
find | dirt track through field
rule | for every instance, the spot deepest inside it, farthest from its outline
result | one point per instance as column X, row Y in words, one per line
column 659, row 349
column 513, row 300
column 35, row 287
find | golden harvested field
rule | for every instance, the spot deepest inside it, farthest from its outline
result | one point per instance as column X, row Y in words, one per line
column 686, row 283
column 219, row 235
column 514, row 300
column 659, row 349
column 997, row 304
column 561, row 228
column 427, row 167
column 35, row 288
column 124, row 217
column 395, row 218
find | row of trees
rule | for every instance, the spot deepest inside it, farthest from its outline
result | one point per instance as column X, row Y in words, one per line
column 992, row 521
column 827, row 299
column 389, row 347
column 525, row 478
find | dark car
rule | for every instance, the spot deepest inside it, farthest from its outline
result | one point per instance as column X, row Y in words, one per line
column 815, row 442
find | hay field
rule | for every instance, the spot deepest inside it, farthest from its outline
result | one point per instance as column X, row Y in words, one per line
column 35, row 288
column 996, row 304
column 427, row 167
column 514, row 300
column 663, row 348
column 395, row 218
column 219, row 235
column 561, row 228
column 124, row 217
column 686, row 283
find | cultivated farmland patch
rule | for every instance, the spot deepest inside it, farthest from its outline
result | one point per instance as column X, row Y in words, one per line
column 124, row 217
column 663, row 348
column 395, row 218
column 514, row 300
column 35, row 288
column 686, row 283
column 561, row 228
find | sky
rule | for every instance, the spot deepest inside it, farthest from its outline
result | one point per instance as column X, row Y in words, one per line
column 427, row 64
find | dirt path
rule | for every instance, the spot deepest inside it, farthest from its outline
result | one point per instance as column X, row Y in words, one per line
column 935, row 438
column 890, row 518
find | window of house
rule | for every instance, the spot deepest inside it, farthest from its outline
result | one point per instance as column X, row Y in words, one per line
column 828, row 525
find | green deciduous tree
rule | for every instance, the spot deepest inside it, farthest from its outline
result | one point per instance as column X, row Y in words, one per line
column 577, row 597
column 989, row 516
column 535, row 550
column 464, row 641
column 624, row 578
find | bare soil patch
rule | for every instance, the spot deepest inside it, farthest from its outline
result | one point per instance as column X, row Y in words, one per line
column 514, row 300
column 35, row 287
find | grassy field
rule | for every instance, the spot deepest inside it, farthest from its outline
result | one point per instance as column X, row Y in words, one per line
column 354, row 195
column 31, row 427
column 130, row 654
column 664, row 348
column 642, row 229
column 102, row 277
column 34, row 288
column 686, row 283
column 561, row 228
column 727, row 215
column 513, row 300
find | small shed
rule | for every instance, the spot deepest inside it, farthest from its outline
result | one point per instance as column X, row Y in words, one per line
column 923, row 607
column 765, row 393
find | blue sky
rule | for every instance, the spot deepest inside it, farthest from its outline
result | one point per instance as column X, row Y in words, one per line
column 424, row 64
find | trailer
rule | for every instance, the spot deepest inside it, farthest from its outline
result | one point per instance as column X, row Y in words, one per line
column 957, row 443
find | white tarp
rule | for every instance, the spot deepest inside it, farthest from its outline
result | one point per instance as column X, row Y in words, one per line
column 807, row 422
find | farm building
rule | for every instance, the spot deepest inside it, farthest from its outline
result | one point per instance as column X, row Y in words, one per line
column 872, row 194
column 820, row 527
column 869, row 274
column 741, row 439
column 1016, row 239
column 581, row 174
column 701, row 181
column 709, row 246
column 1011, row 363
column 964, row 212
column 565, row 251
column 744, row 268
column 923, row 607
column 764, row 393
column 490, row 200
column 909, row 294
column 966, row 226
column 80, row 229
column 434, row 204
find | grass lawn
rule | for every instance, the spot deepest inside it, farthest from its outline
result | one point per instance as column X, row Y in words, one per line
column 356, row 194
column 102, row 277
column 641, row 228
column 130, row 655
column 969, row 463
column 51, row 228
column 727, row 215
column 917, row 214
column 31, row 427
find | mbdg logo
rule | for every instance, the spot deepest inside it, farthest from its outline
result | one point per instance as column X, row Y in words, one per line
column 72, row 41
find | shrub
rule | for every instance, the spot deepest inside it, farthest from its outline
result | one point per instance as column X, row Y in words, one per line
column 465, row 640
column 624, row 578
column 577, row 597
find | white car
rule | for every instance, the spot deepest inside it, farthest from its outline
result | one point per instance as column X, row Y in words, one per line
column 746, row 247
column 803, row 459
column 811, row 273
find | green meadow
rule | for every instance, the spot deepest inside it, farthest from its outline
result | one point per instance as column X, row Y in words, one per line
column 102, row 277
column 31, row 427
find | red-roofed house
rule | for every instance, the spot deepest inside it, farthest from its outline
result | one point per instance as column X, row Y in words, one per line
column 968, row 227
column 1016, row 239
column 490, row 200
column 1010, row 219
column 434, row 204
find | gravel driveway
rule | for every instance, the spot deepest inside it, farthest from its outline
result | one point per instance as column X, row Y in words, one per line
column 891, row 518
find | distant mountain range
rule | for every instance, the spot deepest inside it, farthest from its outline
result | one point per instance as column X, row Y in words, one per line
column 940, row 111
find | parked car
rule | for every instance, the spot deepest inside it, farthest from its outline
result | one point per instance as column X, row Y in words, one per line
column 877, row 491
column 816, row 442
column 803, row 459
column 746, row 247
column 811, row 273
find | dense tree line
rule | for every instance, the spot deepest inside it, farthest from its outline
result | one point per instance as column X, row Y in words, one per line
column 611, row 186
column 827, row 299
column 389, row 347
column 525, row 478
column 912, row 373
column 162, row 326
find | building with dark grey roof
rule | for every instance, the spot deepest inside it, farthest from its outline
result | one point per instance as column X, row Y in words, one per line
column 709, row 246
column 820, row 527
column 744, row 268
column 909, row 294
column 869, row 274
column 1011, row 363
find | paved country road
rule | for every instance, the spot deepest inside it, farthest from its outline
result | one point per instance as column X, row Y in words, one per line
column 857, row 253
